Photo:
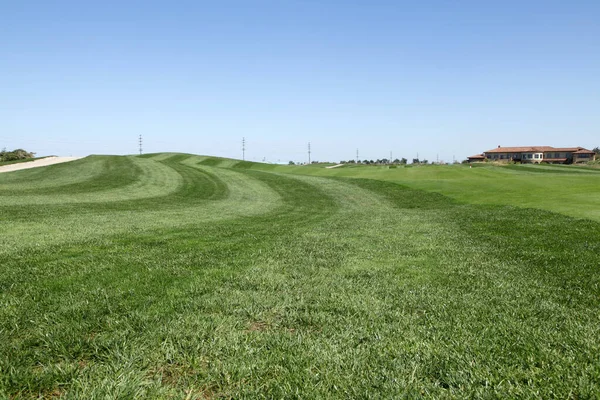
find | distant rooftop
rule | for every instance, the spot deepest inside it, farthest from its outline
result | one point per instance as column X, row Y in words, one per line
column 538, row 149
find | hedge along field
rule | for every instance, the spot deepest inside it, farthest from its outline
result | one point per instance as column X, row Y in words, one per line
column 181, row 276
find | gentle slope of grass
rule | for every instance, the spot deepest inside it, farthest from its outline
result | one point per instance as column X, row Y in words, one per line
column 228, row 281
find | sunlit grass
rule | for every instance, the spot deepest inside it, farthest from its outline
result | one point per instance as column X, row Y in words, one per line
column 567, row 189
column 236, row 282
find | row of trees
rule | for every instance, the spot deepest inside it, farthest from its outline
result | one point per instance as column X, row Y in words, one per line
column 376, row 162
column 383, row 161
column 18, row 154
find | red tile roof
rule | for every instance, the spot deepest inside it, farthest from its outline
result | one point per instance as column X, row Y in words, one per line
column 537, row 149
column 583, row 151
column 525, row 149
column 478, row 156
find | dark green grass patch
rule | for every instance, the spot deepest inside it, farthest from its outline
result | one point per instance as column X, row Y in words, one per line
column 211, row 161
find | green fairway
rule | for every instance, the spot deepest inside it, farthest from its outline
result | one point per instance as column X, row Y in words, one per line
column 193, row 277
column 567, row 189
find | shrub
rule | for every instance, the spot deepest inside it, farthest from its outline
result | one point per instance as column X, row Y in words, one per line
column 18, row 154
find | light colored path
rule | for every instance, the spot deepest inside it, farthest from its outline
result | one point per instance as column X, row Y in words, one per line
column 334, row 166
column 37, row 163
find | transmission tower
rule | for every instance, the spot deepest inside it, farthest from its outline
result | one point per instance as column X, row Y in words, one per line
column 140, row 142
column 309, row 152
column 243, row 149
column 357, row 155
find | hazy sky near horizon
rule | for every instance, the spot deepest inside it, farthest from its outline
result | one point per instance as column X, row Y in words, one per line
column 438, row 78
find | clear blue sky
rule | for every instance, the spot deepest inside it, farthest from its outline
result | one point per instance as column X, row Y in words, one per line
column 437, row 78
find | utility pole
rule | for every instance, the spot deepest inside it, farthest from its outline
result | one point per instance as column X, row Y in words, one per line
column 357, row 155
column 243, row 149
column 140, row 141
column 390, row 157
column 309, row 152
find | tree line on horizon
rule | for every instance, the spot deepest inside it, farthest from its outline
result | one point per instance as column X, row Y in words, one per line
column 383, row 161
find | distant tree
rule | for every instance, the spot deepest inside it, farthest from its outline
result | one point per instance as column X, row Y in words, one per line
column 596, row 150
column 416, row 161
column 342, row 162
column 291, row 163
column 403, row 161
column 425, row 162
column 18, row 154
column 396, row 161
column 351, row 161
column 366, row 162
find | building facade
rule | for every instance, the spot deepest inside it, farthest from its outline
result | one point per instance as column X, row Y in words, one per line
column 536, row 155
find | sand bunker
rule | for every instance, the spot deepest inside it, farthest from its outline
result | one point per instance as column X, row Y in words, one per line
column 37, row 163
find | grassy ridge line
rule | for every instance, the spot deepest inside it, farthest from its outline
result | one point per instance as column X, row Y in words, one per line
column 351, row 288
column 204, row 194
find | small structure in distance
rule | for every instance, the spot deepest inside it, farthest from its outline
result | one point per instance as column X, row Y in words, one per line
column 536, row 155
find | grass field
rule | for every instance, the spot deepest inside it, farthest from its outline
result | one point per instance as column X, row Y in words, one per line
column 178, row 276
column 567, row 189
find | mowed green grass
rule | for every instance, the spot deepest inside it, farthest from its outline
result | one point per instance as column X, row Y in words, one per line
column 178, row 276
column 567, row 189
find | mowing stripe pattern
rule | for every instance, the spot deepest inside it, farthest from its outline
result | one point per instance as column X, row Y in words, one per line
column 181, row 276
